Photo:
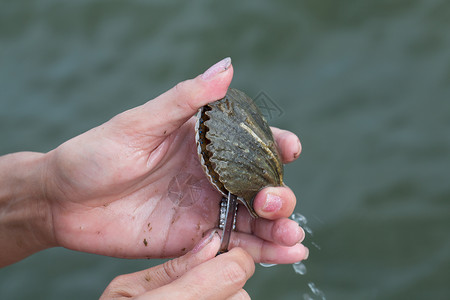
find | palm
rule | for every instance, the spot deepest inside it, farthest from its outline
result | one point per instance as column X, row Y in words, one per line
column 126, row 204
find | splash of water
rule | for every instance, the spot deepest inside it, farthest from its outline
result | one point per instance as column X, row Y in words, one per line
column 316, row 291
column 299, row 268
column 302, row 221
column 317, row 246
column 299, row 218
column 267, row 265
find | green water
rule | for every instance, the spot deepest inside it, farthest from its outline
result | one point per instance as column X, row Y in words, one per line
column 365, row 84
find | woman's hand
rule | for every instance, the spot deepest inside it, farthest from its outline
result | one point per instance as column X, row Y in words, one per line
column 196, row 275
column 133, row 187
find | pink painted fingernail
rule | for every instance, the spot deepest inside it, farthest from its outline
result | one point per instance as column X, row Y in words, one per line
column 306, row 253
column 301, row 233
column 299, row 149
column 273, row 203
column 219, row 67
column 205, row 241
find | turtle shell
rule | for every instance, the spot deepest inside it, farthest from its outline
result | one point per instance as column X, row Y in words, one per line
column 237, row 149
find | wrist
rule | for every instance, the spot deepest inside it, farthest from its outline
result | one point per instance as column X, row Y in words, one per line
column 26, row 221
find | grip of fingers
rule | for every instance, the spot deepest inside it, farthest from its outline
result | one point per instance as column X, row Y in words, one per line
column 239, row 268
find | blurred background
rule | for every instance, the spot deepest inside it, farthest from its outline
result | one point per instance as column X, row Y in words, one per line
column 364, row 83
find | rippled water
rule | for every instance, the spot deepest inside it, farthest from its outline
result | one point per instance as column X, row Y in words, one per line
column 365, row 84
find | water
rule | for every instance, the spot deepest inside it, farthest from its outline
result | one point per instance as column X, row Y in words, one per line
column 302, row 221
column 316, row 292
column 365, row 84
column 299, row 268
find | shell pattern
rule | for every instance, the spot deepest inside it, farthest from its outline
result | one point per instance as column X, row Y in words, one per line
column 237, row 149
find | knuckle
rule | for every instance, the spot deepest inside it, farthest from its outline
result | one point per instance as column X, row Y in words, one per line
column 180, row 87
column 245, row 260
column 117, row 288
column 170, row 269
column 118, row 280
column 185, row 95
column 235, row 274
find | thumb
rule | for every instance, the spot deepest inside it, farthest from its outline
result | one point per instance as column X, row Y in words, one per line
column 137, row 283
column 167, row 112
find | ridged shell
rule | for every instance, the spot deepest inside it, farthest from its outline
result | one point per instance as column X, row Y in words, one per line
column 236, row 147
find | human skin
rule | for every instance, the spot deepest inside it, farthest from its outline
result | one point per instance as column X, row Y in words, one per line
column 133, row 187
column 196, row 275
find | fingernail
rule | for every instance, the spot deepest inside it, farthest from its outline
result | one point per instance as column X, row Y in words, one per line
column 219, row 67
column 302, row 233
column 299, row 149
column 306, row 253
column 203, row 242
column 273, row 203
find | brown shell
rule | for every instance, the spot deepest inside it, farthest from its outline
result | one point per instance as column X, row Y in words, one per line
column 237, row 149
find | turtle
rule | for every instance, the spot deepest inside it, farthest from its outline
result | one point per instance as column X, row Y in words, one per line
column 237, row 151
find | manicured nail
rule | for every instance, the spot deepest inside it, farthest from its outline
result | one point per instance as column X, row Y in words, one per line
column 273, row 203
column 205, row 241
column 302, row 234
column 306, row 253
column 299, row 149
column 219, row 67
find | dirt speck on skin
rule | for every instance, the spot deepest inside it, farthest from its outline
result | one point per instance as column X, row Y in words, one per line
column 184, row 249
column 145, row 242
column 175, row 219
column 147, row 277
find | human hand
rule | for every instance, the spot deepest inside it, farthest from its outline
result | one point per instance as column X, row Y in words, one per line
column 196, row 275
column 133, row 187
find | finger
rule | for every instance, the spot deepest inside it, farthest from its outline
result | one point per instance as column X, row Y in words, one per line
column 288, row 144
column 167, row 112
column 284, row 231
column 218, row 278
column 274, row 202
column 139, row 282
column 240, row 295
column 268, row 252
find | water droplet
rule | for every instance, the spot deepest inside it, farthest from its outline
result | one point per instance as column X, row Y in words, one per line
column 317, row 246
column 307, row 297
column 316, row 291
column 267, row 265
column 299, row 218
column 299, row 268
column 308, row 230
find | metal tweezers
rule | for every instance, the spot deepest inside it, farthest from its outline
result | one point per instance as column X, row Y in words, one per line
column 227, row 220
